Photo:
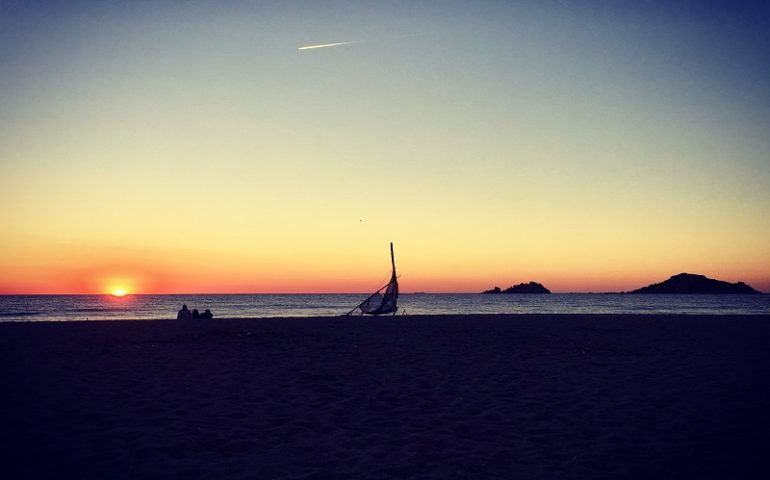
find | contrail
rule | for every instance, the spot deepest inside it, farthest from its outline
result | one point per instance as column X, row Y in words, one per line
column 311, row 47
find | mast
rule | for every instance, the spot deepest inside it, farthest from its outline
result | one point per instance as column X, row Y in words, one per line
column 392, row 259
column 394, row 278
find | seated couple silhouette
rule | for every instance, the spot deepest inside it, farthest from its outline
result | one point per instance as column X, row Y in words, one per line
column 185, row 314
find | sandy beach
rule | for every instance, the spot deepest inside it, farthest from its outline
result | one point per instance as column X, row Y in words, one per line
column 449, row 397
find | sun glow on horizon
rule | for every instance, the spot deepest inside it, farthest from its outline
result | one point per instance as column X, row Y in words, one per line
column 119, row 292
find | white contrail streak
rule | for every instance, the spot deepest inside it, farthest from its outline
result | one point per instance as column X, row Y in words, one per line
column 311, row 47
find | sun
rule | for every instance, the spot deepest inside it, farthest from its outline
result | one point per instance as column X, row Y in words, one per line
column 119, row 292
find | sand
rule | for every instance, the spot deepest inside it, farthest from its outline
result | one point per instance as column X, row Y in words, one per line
column 500, row 396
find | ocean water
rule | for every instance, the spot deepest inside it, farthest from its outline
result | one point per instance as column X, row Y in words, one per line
column 34, row 308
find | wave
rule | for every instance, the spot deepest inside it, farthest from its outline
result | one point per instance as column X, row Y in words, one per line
column 96, row 309
column 19, row 314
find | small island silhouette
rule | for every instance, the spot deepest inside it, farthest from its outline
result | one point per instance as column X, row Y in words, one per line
column 531, row 287
column 688, row 283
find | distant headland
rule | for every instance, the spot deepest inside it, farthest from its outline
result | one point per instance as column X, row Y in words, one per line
column 683, row 283
column 688, row 283
column 531, row 287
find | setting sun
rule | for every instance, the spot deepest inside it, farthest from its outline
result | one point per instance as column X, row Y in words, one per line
column 119, row 292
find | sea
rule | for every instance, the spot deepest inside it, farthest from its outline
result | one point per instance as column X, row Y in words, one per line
column 38, row 308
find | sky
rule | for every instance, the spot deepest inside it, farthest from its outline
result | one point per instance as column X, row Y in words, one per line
column 192, row 147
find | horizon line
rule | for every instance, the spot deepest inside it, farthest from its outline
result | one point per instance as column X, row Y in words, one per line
column 621, row 292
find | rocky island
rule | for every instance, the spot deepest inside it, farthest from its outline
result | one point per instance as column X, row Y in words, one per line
column 531, row 287
column 688, row 283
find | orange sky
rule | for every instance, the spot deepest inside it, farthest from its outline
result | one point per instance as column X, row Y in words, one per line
column 440, row 270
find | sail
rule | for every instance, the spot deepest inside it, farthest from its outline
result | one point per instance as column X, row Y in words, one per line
column 381, row 303
column 389, row 302
column 371, row 304
column 378, row 304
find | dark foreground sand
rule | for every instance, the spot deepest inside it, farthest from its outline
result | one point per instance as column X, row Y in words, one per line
column 524, row 396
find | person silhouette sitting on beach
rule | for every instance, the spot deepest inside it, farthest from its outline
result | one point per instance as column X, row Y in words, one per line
column 207, row 314
column 184, row 314
column 195, row 314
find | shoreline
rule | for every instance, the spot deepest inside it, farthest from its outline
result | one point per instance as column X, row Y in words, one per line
column 425, row 316
column 416, row 396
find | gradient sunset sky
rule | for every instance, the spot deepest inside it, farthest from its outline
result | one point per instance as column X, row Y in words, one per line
column 191, row 147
